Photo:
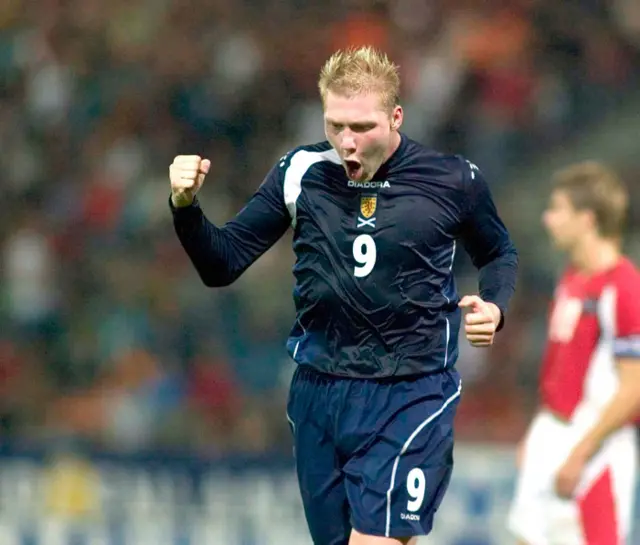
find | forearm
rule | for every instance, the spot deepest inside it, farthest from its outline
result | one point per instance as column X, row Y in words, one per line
column 621, row 410
column 497, row 281
column 207, row 247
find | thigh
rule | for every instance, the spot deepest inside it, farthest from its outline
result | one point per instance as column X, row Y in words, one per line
column 319, row 475
column 605, row 494
column 598, row 512
column 537, row 514
column 396, row 481
column 533, row 500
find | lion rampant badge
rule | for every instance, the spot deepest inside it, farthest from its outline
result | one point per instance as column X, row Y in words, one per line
column 368, row 205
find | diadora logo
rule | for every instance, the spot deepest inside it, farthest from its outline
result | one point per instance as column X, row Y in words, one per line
column 409, row 516
column 369, row 185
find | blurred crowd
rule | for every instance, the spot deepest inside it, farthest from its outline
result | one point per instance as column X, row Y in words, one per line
column 106, row 333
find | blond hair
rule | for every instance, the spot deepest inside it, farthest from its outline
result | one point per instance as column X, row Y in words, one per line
column 361, row 70
column 593, row 186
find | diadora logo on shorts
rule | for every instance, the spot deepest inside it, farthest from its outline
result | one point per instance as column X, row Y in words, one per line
column 409, row 516
column 369, row 185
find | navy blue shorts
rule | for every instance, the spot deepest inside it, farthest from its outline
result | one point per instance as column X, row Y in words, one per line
column 374, row 455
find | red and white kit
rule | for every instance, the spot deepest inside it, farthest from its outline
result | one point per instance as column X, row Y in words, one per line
column 593, row 321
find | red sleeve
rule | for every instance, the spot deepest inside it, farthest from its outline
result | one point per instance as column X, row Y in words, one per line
column 627, row 334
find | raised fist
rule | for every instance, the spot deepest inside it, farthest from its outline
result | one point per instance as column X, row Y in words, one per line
column 187, row 174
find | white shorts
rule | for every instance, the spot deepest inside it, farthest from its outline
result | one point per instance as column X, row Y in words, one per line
column 602, row 511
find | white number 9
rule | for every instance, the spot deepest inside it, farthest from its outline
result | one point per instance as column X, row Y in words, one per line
column 416, row 484
column 364, row 252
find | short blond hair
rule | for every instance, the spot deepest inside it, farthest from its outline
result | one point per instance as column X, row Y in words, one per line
column 590, row 185
column 361, row 70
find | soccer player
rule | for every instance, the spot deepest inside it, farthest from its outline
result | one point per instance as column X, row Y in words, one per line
column 376, row 219
column 578, row 459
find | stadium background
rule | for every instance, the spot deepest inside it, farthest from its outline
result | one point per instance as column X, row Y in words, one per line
column 137, row 407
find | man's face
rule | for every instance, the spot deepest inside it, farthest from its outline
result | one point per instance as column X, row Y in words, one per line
column 361, row 130
column 566, row 225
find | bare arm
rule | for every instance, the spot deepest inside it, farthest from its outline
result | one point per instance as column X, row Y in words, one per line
column 622, row 409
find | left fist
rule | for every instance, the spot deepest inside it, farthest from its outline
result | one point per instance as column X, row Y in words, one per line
column 481, row 321
column 569, row 475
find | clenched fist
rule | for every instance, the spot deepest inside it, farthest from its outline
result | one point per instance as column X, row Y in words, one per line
column 187, row 173
column 481, row 321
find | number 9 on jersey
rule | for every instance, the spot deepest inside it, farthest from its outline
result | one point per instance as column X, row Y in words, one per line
column 365, row 254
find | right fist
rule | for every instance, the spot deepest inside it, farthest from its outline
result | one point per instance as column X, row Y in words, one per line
column 187, row 173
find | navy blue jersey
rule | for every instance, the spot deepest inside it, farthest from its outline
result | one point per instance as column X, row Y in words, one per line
column 375, row 294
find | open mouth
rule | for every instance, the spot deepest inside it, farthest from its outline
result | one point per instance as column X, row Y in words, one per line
column 353, row 168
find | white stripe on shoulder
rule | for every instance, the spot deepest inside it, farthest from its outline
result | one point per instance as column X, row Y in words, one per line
column 300, row 163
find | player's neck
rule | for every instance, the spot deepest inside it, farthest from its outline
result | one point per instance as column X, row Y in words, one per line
column 594, row 256
column 394, row 144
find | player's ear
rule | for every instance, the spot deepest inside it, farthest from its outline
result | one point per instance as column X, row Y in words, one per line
column 588, row 219
column 396, row 117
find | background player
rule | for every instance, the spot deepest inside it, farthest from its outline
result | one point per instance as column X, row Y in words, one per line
column 376, row 219
column 578, row 460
